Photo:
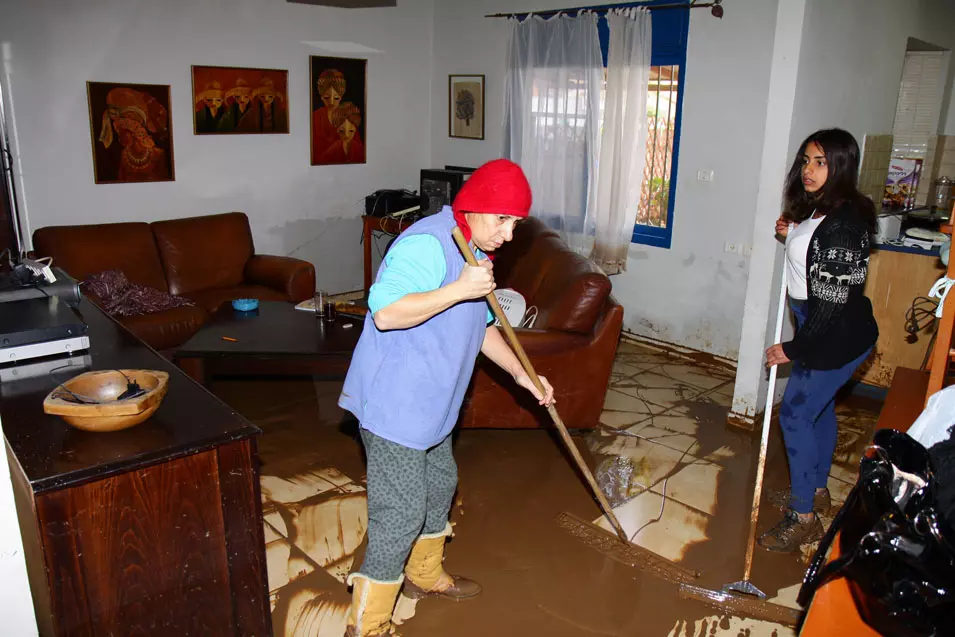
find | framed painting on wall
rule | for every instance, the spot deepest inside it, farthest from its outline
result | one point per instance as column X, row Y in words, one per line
column 466, row 106
column 339, row 101
column 131, row 132
column 239, row 101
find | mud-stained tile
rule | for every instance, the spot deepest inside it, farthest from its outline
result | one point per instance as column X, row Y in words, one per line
column 694, row 485
column 721, row 398
column 838, row 489
column 658, row 389
column 330, row 529
column 651, row 461
column 294, row 489
column 678, row 422
column 787, row 596
column 618, row 380
column 617, row 419
column 334, row 476
column 630, row 365
column 274, row 524
column 630, row 348
column 277, row 551
column 620, row 401
column 311, row 613
column 845, row 473
column 729, row 626
column 673, row 439
column 340, row 569
column 694, row 375
column 305, row 485
column 721, row 455
column 676, row 530
column 299, row 565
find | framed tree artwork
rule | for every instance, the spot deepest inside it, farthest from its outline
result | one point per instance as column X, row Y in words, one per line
column 239, row 101
column 131, row 132
column 339, row 104
column 466, row 106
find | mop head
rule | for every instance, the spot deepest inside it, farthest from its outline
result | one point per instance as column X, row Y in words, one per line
column 743, row 605
column 626, row 553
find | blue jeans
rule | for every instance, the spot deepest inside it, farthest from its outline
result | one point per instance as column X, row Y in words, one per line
column 808, row 420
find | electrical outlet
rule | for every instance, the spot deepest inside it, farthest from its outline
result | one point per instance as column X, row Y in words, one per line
column 747, row 250
column 731, row 246
column 704, row 175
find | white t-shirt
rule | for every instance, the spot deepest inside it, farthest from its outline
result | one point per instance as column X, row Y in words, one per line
column 797, row 246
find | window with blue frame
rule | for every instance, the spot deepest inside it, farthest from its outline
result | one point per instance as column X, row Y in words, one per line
column 654, row 224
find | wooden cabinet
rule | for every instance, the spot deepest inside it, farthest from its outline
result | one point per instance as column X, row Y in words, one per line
column 154, row 530
column 895, row 279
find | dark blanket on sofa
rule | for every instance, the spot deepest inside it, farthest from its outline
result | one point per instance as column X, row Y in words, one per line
column 119, row 297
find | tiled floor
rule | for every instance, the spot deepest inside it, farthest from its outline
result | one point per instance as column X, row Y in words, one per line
column 680, row 479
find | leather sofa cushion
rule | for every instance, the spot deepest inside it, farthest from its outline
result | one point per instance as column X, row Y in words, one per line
column 85, row 250
column 167, row 329
column 201, row 253
column 568, row 290
column 210, row 300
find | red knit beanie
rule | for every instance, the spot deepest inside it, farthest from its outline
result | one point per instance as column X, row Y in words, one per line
column 499, row 187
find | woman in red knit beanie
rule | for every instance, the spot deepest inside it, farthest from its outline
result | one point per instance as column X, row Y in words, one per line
column 428, row 321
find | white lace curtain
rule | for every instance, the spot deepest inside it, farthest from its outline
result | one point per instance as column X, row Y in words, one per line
column 552, row 126
column 623, row 143
column 551, row 117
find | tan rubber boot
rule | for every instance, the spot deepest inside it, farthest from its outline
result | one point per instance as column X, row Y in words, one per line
column 372, row 603
column 425, row 576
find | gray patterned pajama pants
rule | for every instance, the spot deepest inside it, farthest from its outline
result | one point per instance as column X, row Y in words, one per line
column 409, row 494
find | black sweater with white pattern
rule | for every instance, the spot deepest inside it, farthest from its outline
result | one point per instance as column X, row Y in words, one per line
column 840, row 325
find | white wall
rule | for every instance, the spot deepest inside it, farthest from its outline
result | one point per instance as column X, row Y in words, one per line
column 851, row 61
column 16, row 605
column 765, row 274
column 691, row 294
column 53, row 48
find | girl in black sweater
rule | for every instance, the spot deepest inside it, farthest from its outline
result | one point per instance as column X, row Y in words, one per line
column 826, row 224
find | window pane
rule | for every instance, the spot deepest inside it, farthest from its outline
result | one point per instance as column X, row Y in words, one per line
column 661, row 125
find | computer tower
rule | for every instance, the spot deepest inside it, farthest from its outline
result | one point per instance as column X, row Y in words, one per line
column 441, row 186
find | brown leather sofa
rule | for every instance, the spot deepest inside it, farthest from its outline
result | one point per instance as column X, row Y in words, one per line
column 573, row 341
column 209, row 259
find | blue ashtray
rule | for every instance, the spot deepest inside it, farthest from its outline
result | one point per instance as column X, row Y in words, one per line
column 245, row 305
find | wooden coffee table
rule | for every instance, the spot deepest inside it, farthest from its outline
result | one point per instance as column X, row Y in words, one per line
column 276, row 340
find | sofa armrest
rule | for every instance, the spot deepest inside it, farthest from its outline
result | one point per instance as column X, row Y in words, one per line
column 294, row 277
column 577, row 365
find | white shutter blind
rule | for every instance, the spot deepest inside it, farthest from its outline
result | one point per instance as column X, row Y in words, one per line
column 919, row 105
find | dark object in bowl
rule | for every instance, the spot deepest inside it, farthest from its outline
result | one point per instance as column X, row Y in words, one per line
column 108, row 400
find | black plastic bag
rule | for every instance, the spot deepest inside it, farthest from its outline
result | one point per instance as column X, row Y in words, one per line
column 897, row 555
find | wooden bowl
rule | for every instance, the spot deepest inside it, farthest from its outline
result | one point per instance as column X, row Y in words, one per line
column 108, row 413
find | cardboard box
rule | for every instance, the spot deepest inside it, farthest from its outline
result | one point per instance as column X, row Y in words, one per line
column 901, row 183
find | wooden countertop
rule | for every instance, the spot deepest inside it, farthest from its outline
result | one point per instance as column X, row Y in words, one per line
column 53, row 454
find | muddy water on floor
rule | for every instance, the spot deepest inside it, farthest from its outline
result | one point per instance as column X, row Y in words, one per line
column 537, row 579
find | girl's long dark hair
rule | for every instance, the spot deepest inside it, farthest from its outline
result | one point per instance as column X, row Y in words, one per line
column 842, row 158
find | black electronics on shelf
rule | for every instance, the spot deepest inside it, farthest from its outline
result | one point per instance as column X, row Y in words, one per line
column 388, row 202
column 441, row 186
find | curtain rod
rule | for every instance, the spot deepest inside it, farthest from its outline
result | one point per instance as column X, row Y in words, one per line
column 716, row 10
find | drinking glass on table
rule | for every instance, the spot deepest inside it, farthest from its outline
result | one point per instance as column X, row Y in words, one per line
column 321, row 297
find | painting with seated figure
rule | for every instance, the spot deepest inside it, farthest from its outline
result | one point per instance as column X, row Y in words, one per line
column 230, row 101
column 131, row 130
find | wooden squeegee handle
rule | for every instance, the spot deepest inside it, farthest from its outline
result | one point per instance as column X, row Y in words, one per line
column 526, row 363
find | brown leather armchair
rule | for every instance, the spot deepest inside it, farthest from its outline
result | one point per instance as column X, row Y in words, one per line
column 573, row 341
column 209, row 259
